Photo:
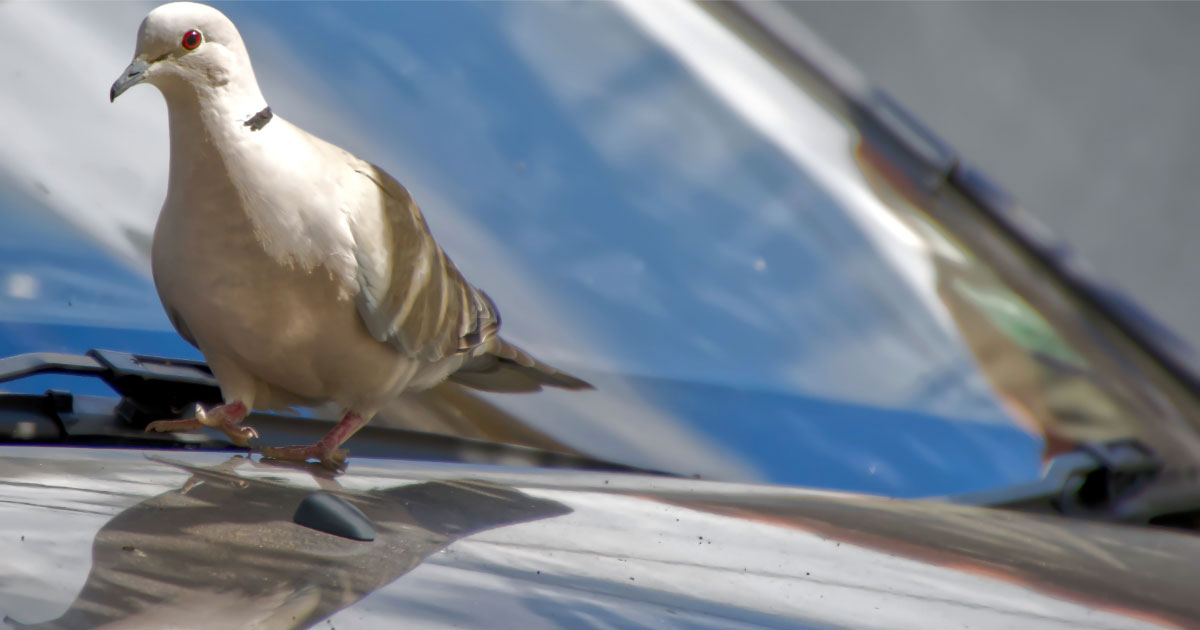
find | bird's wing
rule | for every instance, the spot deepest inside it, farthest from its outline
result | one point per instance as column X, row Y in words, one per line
column 410, row 294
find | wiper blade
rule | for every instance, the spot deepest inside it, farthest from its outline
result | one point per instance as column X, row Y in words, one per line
column 155, row 388
column 1122, row 480
column 151, row 388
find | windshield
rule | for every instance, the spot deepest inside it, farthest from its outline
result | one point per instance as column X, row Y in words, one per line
column 651, row 204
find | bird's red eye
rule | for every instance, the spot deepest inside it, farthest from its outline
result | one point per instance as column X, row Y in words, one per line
column 191, row 40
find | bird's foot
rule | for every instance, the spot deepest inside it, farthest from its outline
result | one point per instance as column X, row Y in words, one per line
column 224, row 418
column 326, row 451
column 170, row 426
column 334, row 458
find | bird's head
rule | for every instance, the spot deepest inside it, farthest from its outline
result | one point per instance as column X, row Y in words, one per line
column 184, row 46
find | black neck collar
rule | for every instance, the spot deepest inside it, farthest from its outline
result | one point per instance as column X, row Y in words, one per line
column 260, row 120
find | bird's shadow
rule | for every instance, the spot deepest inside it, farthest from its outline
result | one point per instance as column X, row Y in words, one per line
column 223, row 552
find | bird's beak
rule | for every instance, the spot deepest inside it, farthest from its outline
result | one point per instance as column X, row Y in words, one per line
column 133, row 75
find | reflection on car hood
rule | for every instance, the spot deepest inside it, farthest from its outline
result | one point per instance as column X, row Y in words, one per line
column 114, row 539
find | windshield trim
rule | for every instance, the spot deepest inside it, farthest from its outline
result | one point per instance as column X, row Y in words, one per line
column 937, row 166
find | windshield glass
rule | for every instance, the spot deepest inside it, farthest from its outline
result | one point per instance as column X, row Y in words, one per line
column 651, row 205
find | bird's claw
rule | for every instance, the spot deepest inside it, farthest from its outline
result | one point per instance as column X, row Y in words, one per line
column 239, row 435
column 202, row 417
column 334, row 460
column 168, row 426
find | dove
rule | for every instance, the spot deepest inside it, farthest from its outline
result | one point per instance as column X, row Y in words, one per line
column 302, row 273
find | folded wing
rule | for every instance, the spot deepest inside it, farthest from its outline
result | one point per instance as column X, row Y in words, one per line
column 419, row 302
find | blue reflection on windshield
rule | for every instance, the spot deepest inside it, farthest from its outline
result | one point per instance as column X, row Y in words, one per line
column 627, row 223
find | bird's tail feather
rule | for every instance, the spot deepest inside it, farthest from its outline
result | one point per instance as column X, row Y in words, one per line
column 507, row 368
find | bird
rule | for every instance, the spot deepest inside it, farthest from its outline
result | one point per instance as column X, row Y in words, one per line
column 304, row 274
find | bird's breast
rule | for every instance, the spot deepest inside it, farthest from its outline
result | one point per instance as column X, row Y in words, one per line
column 253, row 259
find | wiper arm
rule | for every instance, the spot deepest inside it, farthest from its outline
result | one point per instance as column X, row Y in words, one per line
column 151, row 388
column 155, row 388
column 1122, row 480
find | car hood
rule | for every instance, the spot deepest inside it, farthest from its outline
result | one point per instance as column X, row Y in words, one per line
column 132, row 539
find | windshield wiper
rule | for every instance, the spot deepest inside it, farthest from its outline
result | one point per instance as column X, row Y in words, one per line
column 1123, row 481
column 155, row 388
column 151, row 388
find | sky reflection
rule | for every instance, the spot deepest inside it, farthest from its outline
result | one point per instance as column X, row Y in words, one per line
column 770, row 320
